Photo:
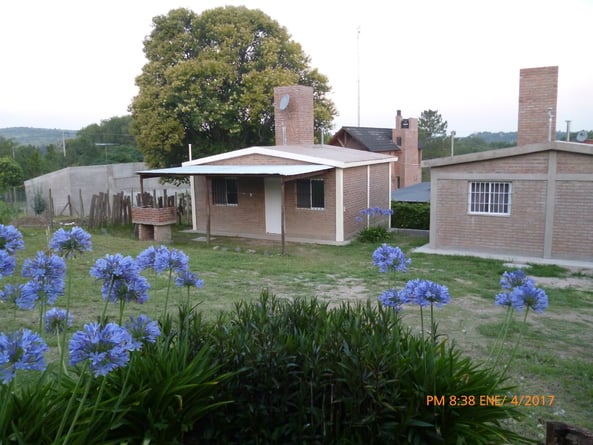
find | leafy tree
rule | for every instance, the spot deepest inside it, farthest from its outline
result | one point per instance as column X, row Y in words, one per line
column 11, row 173
column 209, row 82
column 109, row 142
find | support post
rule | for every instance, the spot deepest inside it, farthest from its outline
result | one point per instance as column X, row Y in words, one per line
column 282, row 212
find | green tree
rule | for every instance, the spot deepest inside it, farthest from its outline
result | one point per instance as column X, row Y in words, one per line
column 108, row 142
column 432, row 133
column 11, row 173
column 431, row 126
column 209, row 82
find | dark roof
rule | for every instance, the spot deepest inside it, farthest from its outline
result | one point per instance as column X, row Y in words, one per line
column 374, row 139
column 415, row 193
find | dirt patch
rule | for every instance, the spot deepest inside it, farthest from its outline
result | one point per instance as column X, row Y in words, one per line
column 581, row 283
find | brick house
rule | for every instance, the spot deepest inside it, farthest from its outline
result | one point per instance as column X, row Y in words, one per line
column 294, row 190
column 400, row 142
column 534, row 200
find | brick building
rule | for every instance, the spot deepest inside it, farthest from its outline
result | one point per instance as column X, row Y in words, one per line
column 535, row 199
column 294, row 190
column 400, row 142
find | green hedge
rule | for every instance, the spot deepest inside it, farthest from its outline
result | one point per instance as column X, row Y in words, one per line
column 408, row 215
column 303, row 373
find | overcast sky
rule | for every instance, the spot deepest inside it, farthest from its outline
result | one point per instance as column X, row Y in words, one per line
column 71, row 63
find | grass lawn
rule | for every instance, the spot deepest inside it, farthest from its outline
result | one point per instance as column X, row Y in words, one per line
column 555, row 357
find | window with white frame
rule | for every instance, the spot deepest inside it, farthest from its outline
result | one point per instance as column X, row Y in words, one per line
column 490, row 198
column 310, row 193
column 224, row 191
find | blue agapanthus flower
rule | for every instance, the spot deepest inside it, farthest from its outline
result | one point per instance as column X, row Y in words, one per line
column 147, row 257
column 170, row 259
column 7, row 263
column 372, row 212
column 115, row 267
column 189, row 279
column 57, row 320
column 143, row 330
column 121, row 278
column 512, row 279
column 23, row 349
column 11, row 293
column 11, row 239
column 530, row 296
column 393, row 298
column 46, row 273
column 507, row 299
column 134, row 289
column 106, row 348
column 69, row 243
column 425, row 293
column 389, row 258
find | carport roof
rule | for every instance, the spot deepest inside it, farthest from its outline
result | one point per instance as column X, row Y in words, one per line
column 238, row 170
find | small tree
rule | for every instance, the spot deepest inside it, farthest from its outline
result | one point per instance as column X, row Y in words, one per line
column 39, row 204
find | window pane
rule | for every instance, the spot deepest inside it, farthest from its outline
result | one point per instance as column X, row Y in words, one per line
column 218, row 191
column 317, row 193
column 231, row 191
column 303, row 193
column 490, row 197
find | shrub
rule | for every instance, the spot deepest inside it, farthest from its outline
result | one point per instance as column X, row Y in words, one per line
column 376, row 220
column 410, row 215
column 354, row 374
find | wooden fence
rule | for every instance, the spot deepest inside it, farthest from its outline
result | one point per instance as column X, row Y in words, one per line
column 118, row 210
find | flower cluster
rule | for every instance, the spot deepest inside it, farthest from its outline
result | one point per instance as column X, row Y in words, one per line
column 22, row 349
column 163, row 259
column 373, row 212
column 143, row 330
column 188, row 279
column 11, row 239
column 70, row 243
column 46, row 273
column 105, row 347
column 389, row 258
column 520, row 292
column 57, row 320
column 121, row 278
column 418, row 292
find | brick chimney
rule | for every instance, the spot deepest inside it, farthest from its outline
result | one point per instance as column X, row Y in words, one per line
column 538, row 94
column 407, row 170
column 293, row 115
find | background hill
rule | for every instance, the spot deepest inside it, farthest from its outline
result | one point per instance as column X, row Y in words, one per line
column 37, row 137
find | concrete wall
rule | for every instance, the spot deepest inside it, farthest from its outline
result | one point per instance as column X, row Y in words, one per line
column 87, row 181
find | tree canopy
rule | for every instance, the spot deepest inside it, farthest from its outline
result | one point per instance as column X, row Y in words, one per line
column 209, row 82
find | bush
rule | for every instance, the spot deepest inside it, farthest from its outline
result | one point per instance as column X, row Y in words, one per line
column 410, row 215
column 311, row 374
column 374, row 235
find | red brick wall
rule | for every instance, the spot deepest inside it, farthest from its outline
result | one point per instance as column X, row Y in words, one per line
column 573, row 219
column 154, row 215
column 312, row 223
column 407, row 168
column 297, row 118
column 257, row 159
column 355, row 195
column 523, row 164
column 538, row 91
column 521, row 233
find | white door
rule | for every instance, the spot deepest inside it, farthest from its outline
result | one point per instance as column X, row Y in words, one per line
column 273, row 205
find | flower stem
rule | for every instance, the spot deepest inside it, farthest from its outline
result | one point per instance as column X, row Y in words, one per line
column 512, row 356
